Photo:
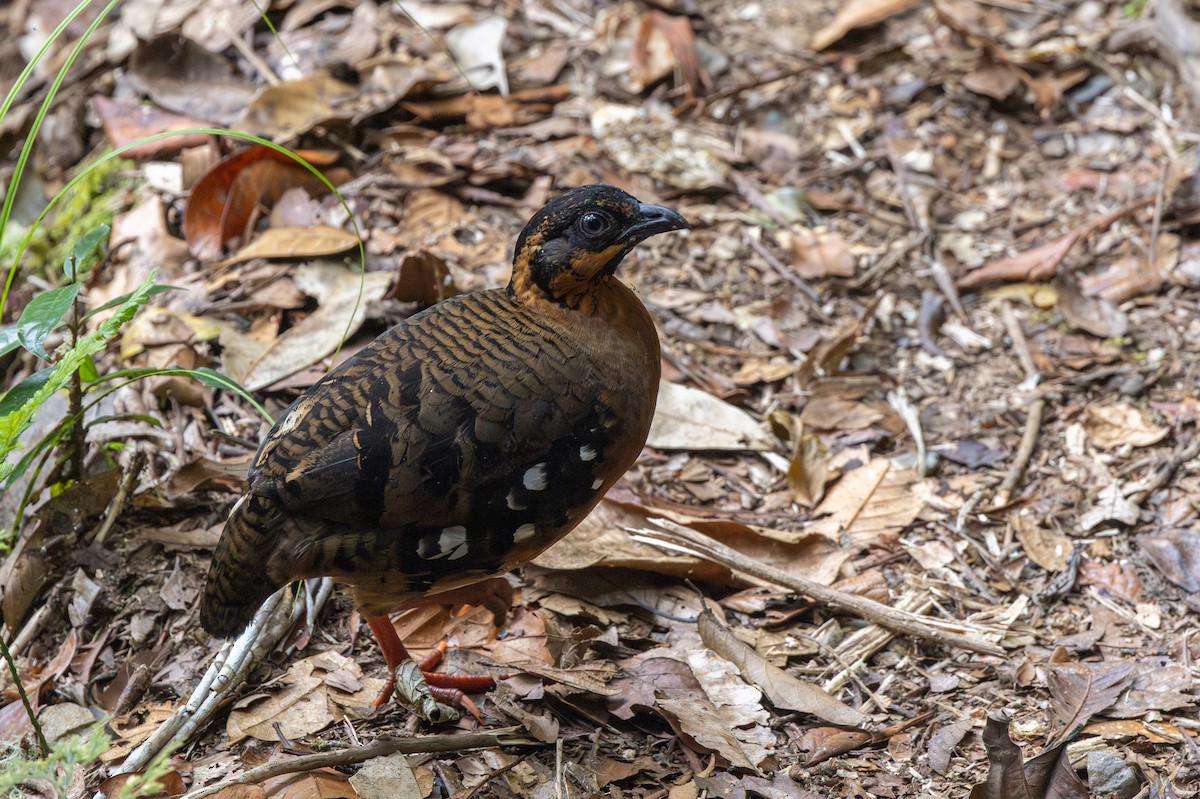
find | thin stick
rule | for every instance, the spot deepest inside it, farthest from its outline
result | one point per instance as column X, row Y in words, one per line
column 1020, row 345
column 508, row 736
column 676, row 537
column 1033, row 425
column 128, row 480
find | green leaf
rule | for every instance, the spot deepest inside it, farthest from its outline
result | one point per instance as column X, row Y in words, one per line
column 16, row 422
column 8, row 339
column 127, row 417
column 115, row 301
column 81, row 259
column 88, row 371
column 17, row 396
column 42, row 315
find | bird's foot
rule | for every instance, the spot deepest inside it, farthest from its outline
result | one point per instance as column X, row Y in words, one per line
column 414, row 691
column 433, row 696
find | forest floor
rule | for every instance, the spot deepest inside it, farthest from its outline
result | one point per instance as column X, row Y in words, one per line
column 931, row 341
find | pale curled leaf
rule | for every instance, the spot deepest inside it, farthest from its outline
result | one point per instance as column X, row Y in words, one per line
column 857, row 14
column 339, row 315
column 784, row 690
column 1078, row 691
column 291, row 242
column 687, row 418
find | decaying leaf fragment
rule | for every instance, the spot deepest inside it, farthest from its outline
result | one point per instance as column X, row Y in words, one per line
column 784, row 690
column 1048, row 774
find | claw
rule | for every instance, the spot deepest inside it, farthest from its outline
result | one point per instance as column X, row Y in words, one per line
column 412, row 690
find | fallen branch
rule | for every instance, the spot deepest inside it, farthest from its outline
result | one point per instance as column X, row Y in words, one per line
column 678, row 538
column 508, row 736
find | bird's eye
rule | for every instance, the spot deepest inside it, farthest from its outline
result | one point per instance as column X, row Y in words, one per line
column 594, row 224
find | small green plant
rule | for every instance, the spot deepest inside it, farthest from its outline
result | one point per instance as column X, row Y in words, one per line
column 55, row 771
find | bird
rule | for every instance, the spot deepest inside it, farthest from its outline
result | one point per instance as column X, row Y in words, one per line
column 460, row 443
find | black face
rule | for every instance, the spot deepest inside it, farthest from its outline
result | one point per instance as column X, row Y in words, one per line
column 584, row 233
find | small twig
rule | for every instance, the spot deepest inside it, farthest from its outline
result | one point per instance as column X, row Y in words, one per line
column 783, row 271
column 124, row 490
column 676, row 537
column 43, row 746
column 1156, row 219
column 508, row 736
column 1020, row 345
column 1033, row 425
column 1162, row 475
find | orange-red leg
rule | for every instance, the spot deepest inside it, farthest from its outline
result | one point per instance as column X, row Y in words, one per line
column 495, row 595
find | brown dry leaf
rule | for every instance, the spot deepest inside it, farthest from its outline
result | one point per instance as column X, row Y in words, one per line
column 808, row 469
column 1125, row 729
column 665, row 43
column 1131, row 276
column 226, row 199
column 289, row 109
column 1042, row 262
column 126, row 122
column 325, row 783
column 1094, row 315
column 1079, row 691
column 690, row 419
column 761, row 370
column 344, row 297
column 943, row 742
column 871, row 504
column 312, row 241
column 135, row 727
column 1176, row 554
column 309, row 702
column 784, row 690
column 385, row 778
column 157, row 326
column 170, row 784
column 817, row 253
column 603, row 539
column 421, row 167
column 1048, row 774
column 240, row 792
column 994, row 80
column 1048, row 548
column 1161, row 686
column 727, row 716
column 1110, row 426
column 1112, row 577
column 183, row 77
column 857, row 14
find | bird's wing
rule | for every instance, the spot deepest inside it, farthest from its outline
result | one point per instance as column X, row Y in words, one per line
column 437, row 427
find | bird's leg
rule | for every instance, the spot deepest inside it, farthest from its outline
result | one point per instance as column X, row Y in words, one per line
column 406, row 679
column 417, row 684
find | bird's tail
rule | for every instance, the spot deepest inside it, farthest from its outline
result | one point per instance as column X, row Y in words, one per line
column 238, row 578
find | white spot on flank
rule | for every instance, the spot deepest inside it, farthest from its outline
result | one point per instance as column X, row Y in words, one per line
column 599, row 481
column 514, row 503
column 524, row 532
column 452, row 537
column 450, row 543
column 535, row 477
column 587, row 453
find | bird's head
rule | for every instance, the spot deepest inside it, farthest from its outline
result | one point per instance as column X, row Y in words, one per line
column 580, row 237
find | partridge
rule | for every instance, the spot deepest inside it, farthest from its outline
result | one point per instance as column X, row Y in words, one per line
column 460, row 443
